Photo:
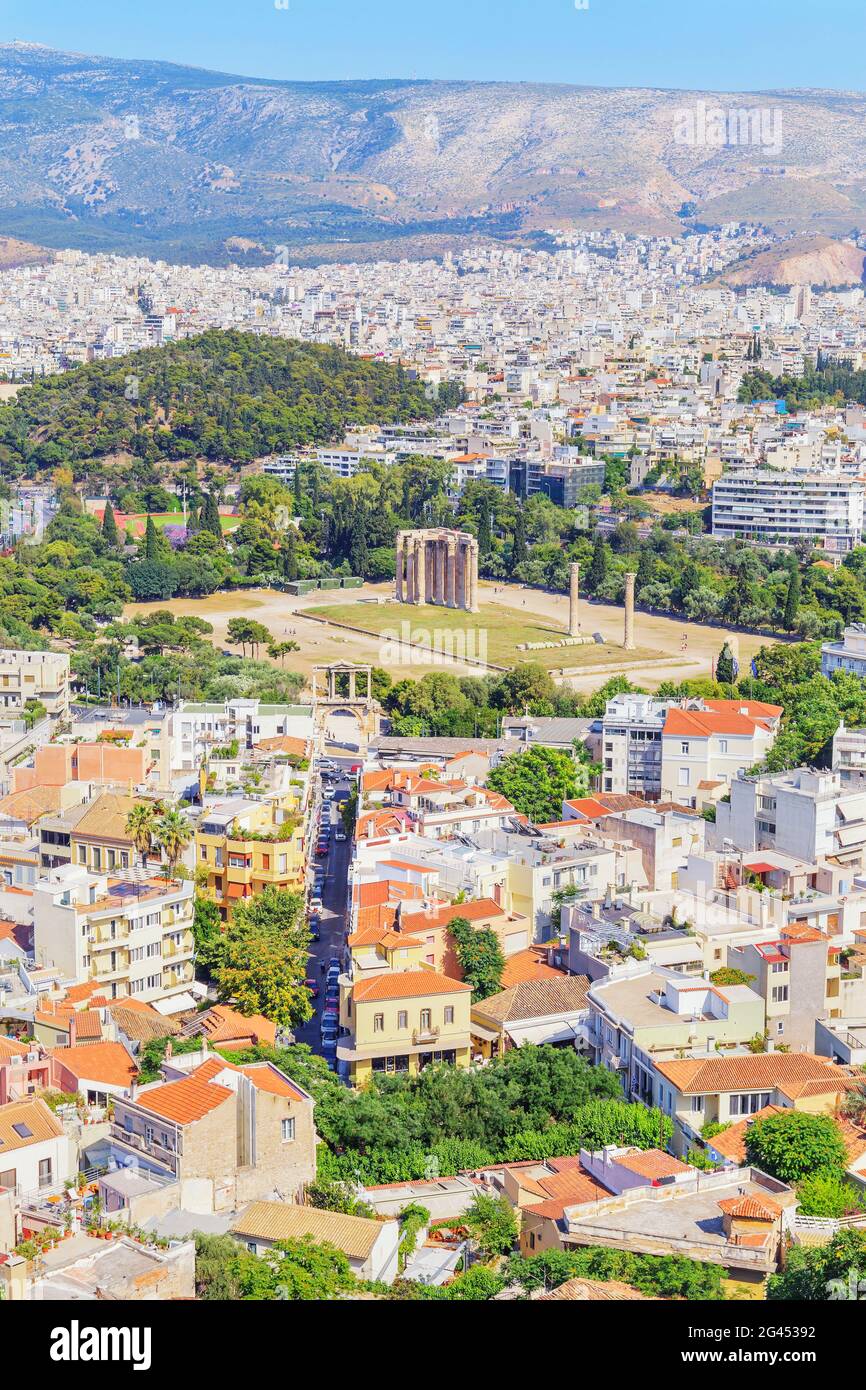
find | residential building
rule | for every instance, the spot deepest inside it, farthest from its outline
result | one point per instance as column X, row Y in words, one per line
column 225, row 1134
column 549, row 1011
column 98, row 1071
column 402, row 1020
column 775, row 507
column 131, row 938
column 199, row 729
column 805, row 813
column 35, row 1152
column 42, row 676
column 24, row 1069
column 798, row 975
column 247, row 846
column 370, row 1245
column 847, row 654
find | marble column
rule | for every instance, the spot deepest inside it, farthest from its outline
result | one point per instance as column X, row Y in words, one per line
column 451, row 573
column 628, row 643
column 421, row 586
column 352, row 689
column 573, row 614
column 401, row 558
column 473, row 578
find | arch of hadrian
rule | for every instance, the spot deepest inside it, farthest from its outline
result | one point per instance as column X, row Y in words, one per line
column 438, row 566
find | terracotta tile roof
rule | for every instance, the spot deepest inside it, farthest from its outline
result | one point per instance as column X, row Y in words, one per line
column 527, row 965
column 140, row 1022
column 371, row 923
column 223, row 1024
column 731, row 1143
column 593, row 1291
column 480, row 910
column 184, row 1101
column 690, row 723
column 354, row 1235
column 30, row 805
column 284, row 743
column 10, row 1048
column 32, row 1115
column 386, row 890
column 88, row 1025
column 653, row 1163
column 755, row 709
column 751, row 1208
column 606, row 804
column 106, row 818
column 103, row 1061
column 406, row 984
column 535, row 999
column 267, row 1078
column 755, row 1072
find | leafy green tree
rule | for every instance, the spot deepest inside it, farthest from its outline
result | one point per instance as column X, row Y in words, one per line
column 728, row 975
column 794, row 1144
column 598, row 565
column 537, row 782
column 519, row 550
column 260, row 961
column 828, row 1194
column 659, row 1276
column 792, row 599
column 822, row 1273
column 294, row 1271
column 492, row 1223
column 480, row 955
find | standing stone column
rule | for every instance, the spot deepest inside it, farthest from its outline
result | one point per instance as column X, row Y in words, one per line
column 352, row 688
column 629, row 612
column 422, row 571
column 441, row 566
column 473, row 578
column 401, row 557
column 451, row 573
column 574, row 590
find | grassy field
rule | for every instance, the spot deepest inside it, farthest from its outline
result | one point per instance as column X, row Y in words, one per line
column 493, row 635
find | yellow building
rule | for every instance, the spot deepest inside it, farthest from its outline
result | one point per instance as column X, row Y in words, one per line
column 244, row 848
column 402, row 1020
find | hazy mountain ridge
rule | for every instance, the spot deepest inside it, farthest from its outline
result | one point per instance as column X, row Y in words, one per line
column 108, row 154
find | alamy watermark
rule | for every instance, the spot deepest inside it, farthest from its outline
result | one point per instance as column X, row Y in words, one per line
column 438, row 646
column 850, row 1290
column 713, row 127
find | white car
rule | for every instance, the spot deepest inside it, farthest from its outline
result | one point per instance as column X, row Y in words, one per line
column 341, row 836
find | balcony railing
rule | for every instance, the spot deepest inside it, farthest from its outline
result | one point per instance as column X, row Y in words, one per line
column 424, row 1035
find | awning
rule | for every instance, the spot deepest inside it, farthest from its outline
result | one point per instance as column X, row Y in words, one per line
column 671, row 952
column 851, row 835
column 175, row 1004
column 555, row 1031
column 485, row 1034
column 236, row 890
column 760, row 866
column 855, row 809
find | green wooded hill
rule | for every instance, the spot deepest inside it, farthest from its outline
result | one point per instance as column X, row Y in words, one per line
column 223, row 396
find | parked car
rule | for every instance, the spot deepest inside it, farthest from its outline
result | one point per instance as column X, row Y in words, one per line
column 340, row 836
column 316, row 906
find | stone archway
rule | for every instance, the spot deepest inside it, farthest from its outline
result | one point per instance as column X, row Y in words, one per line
column 344, row 692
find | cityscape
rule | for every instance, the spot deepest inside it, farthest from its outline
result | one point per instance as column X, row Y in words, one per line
column 432, row 681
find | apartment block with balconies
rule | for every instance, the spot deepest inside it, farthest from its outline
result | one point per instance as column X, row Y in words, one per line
column 134, row 938
column 401, row 1021
column 247, row 846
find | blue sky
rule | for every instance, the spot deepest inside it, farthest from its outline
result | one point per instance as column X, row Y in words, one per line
column 717, row 44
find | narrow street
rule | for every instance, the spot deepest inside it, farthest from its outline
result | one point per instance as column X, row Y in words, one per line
column 333, row 920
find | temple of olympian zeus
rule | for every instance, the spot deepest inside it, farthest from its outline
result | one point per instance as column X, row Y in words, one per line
column 438, row 566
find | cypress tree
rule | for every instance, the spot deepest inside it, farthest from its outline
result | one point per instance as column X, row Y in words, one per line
column 290, row 555
column 151, row 540
column 358, row 542
column 485, row 539
column 792, row 598
column 109, row 525
column 598, row 564
column 725, row 672
column 210, row 516
column 519, row 550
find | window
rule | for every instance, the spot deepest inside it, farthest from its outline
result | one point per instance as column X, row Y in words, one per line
column 8, row 1178
column 425, row 1019
column 697, row 1105
column 723, row 745
column 378, row 1023
column 780, row 994
column 449, row 1013
column 684, row 749
column 684, row 776
column 45, row 1172
column 402, row 1019
column 750, row 1104
column 288, row 1130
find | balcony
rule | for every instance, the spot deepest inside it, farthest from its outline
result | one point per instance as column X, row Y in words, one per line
column 424, row 1035
column 154, row 1150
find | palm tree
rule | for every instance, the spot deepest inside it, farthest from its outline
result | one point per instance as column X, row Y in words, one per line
column 140, row 825
column 173, row 835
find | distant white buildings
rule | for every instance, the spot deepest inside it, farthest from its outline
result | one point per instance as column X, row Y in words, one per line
column 847, row 655
column 805, row 813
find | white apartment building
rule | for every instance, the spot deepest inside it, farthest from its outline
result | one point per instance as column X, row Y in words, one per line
column 805, row 813
column 40, row 676
column 134, row 938
column 663, row 750
column 199, row 728
column 782, row 508
column 847, row 655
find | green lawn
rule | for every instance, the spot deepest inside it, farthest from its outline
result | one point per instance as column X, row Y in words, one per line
column 493, row 636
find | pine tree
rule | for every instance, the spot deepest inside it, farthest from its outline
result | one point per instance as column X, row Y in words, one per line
column 109, row 526
column 645, row 570
column 519, row 550
column 598, row 565
column 792, row 599
column 290, row 555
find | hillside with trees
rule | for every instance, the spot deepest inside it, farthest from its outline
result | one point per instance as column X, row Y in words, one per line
column 222, row 396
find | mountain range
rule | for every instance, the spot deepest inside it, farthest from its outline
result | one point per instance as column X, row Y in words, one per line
column 178, row 162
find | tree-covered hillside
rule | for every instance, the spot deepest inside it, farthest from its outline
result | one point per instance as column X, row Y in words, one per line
column 223, row 396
